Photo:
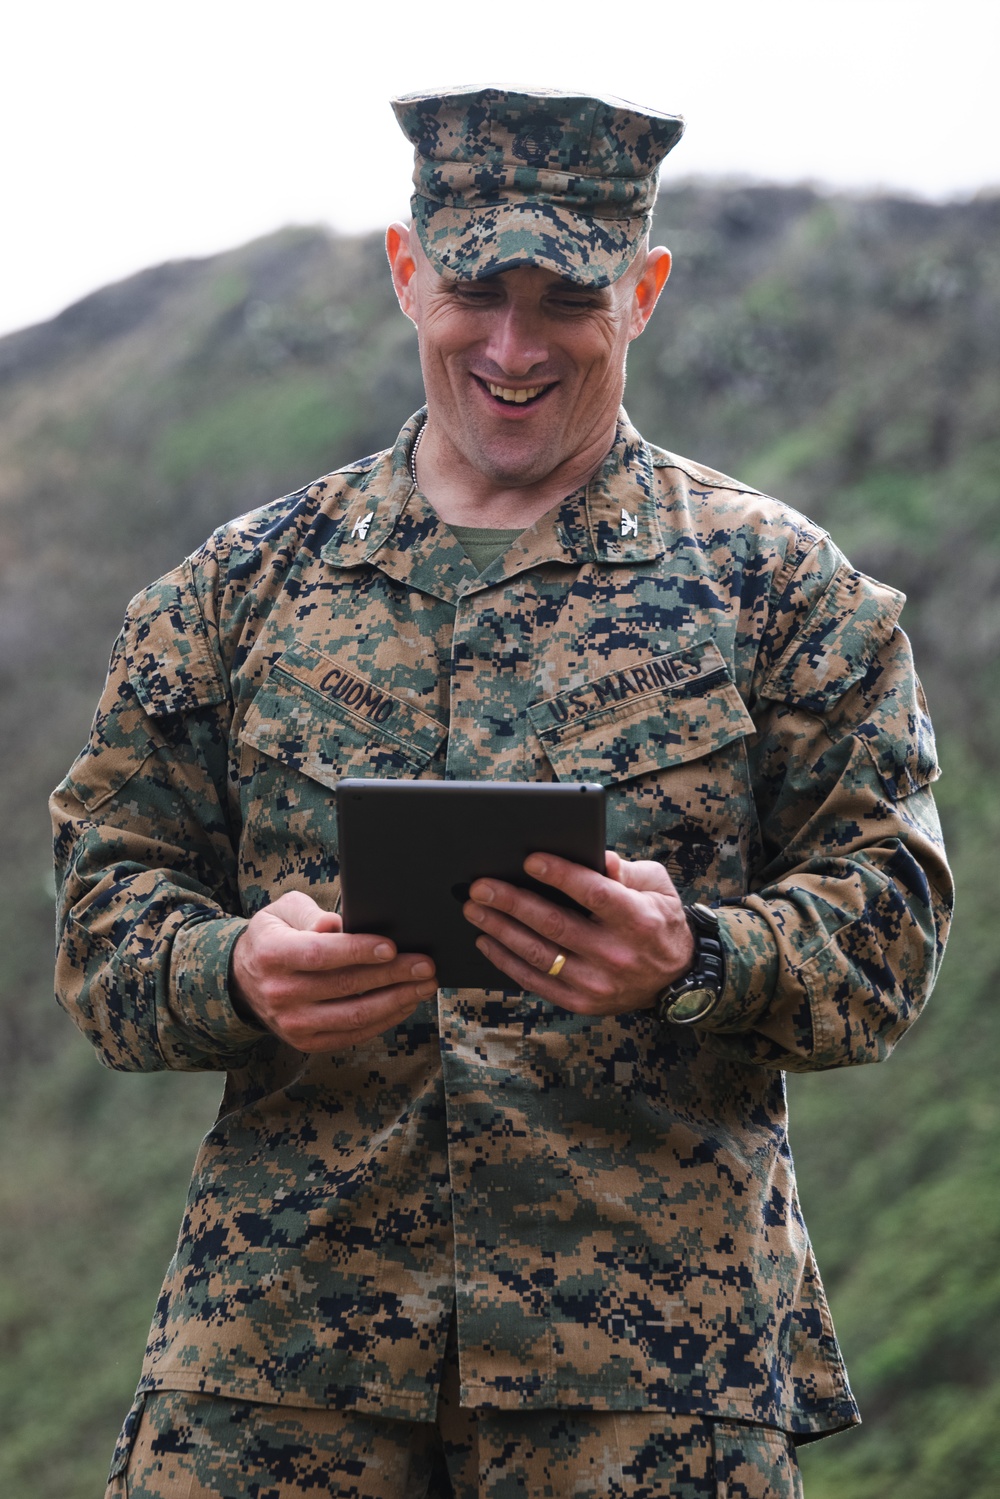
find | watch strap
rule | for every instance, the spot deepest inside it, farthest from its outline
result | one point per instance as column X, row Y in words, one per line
column 694, row 996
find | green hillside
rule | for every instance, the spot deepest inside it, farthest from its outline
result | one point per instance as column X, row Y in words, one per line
column 843, row 353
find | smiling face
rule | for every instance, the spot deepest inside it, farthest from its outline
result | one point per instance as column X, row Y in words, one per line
column 524, row 371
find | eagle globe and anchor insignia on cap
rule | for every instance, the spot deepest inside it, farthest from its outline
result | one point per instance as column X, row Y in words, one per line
column 537, row 141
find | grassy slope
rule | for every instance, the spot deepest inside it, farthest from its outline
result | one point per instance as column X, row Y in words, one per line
column 857, row 376
column 840, row 353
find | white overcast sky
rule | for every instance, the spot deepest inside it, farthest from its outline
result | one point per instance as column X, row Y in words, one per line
column 137, row 133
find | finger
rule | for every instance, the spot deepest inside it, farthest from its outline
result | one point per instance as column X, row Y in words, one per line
column 499, row 909
column 538, row 952
column 333, row 1026
column 606, row 898
column 306, row 950
column 586, row 982
column 529, row 979
column 336, row 984
column 595, row 892
column 605, row 944
column 378, row 1007
column 327, row 951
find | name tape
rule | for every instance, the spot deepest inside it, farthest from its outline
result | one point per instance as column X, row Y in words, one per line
column 360, row 696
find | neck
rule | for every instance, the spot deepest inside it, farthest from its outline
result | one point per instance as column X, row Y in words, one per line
column 463, row 495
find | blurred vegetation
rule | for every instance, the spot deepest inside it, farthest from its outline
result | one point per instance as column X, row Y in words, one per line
column 844, row 353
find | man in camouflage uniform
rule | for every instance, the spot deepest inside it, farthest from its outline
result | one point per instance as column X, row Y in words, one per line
column 542, row 1239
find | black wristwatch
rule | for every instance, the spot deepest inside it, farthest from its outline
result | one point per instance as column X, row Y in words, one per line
column 694, row 996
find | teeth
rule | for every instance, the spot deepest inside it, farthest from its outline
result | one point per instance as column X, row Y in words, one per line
column 504, row 393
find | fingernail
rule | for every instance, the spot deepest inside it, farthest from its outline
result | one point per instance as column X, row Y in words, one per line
column 484, row 895
column 426, row 990
column 539, row 866
column 383, row 952
column 422, row 970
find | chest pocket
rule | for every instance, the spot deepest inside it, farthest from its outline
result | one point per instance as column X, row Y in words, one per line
column 319, row 717
column 313, row 722
column 666, row 736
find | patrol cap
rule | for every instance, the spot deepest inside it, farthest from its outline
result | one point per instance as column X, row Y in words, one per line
column 509, row 176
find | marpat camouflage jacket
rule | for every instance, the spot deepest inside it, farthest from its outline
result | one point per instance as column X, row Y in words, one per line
column 612, row 1205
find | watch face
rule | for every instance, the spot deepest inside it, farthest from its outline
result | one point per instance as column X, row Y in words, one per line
column 693, row 1005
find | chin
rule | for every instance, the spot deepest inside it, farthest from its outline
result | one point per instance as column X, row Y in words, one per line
column 513, row 475
column 515, row 468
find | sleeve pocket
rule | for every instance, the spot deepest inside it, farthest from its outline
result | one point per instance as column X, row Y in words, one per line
column 845, row 631
column 163, row 663
column 171, row 664
column 900, row 739
column 119, row 746
column 853, row 667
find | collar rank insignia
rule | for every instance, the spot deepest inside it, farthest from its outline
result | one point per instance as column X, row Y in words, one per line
column 360, row 527
column 630, row 524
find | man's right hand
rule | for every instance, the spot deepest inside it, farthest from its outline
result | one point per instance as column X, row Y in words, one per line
column 318, row 987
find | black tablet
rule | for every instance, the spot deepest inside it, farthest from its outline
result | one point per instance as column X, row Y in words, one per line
column 409, row 850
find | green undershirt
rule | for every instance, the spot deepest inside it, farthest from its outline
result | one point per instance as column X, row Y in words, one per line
column 483, row 544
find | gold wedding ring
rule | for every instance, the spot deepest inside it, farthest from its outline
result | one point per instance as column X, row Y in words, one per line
column 557, row 965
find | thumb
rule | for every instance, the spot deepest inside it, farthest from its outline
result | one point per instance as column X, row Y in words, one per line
column 298, row 910
column 327, row 921
column 645, row 874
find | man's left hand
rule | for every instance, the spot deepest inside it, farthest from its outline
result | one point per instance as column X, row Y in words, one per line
column 635, row 941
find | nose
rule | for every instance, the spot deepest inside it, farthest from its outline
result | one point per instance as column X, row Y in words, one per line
column 517, row 343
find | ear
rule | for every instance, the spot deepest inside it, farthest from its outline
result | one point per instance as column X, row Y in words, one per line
column 648, row 288
column 403, row 268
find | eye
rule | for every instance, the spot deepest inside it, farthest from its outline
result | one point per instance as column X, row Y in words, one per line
column 574, row 302
column 474, row 292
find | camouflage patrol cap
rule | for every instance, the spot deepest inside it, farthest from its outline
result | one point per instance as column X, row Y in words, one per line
column 504, row 177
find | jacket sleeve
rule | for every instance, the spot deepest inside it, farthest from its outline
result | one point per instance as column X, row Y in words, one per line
column 837, row 944
column 148, row 908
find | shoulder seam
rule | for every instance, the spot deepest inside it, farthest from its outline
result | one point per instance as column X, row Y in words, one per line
column 665, row 459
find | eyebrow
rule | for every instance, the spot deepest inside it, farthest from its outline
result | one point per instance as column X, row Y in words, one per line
column 580, row 289
column 563, row 284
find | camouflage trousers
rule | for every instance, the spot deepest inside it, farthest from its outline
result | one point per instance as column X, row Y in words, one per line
column 178, row 1445
column 200, row 1447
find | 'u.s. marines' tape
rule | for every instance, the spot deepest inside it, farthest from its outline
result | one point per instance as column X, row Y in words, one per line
column 655, row 675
